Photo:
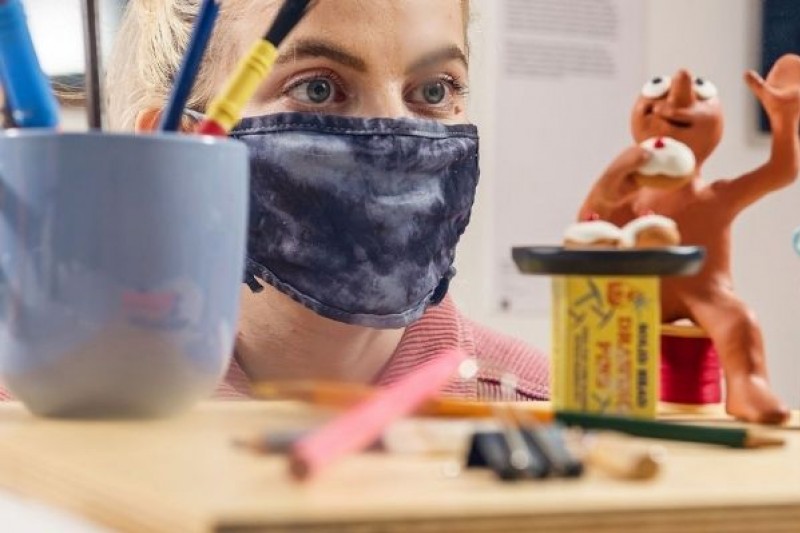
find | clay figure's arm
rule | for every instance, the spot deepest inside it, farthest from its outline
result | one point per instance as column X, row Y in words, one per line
column 780, row 96
column 615, row 186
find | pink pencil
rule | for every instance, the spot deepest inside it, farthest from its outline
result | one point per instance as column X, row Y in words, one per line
column 363, row 424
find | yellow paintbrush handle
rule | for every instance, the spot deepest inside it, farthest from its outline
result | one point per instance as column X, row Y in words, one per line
column 226, row 109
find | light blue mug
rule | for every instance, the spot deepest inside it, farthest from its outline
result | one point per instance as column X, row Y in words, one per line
column 796, row 240
column 121, row 260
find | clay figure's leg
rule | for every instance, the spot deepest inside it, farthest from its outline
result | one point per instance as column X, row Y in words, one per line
column 737, row 338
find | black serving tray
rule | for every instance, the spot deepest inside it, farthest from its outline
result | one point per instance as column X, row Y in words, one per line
column 555, row 260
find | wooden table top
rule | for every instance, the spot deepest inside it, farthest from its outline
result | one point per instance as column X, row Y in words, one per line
column 185, row 474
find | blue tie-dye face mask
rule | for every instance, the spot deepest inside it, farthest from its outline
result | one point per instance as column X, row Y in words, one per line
column 358, row 219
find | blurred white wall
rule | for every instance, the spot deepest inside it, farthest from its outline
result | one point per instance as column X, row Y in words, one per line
column 715, row 38
column 57, row 30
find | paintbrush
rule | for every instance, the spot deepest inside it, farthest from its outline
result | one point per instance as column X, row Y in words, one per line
column 226, row 110
column 201, row 35
column 28, row 93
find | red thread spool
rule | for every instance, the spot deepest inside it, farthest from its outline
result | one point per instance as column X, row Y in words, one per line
column 690, row 370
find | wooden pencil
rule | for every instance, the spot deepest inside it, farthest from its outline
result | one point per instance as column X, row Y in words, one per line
column 343, row 395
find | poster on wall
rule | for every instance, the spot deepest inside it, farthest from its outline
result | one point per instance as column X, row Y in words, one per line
column 566, row 76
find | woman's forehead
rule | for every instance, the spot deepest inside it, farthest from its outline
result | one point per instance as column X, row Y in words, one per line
column 372, row 27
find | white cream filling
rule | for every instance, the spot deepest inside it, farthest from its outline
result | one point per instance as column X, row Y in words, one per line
column 592, row 231
column 673, row 159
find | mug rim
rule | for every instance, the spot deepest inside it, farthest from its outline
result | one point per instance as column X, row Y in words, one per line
column 157, row 137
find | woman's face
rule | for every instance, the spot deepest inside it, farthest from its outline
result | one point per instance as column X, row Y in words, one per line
column 367, row 58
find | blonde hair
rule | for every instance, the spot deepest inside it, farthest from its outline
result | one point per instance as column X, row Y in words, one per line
column 149, row 48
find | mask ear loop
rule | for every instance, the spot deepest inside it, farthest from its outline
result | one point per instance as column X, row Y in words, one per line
column 440, row 292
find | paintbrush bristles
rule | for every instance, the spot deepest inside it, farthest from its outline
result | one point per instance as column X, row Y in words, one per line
column 290, row 14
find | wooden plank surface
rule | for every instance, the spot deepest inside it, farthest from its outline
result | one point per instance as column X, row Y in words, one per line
column 186, row 475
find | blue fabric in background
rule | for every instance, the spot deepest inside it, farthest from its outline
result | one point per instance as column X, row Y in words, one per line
column 780, row 34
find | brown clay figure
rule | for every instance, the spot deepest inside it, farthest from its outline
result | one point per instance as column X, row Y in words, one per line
column 686, row 110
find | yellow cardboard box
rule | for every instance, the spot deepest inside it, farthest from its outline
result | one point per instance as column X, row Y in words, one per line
column 606, row 344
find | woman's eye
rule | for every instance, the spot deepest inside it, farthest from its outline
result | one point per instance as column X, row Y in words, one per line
column 435, row 92
column 704, row 89
column 657, row 87
column 316, row 91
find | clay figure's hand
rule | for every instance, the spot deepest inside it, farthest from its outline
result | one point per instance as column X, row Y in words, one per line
column 618, row 180
column 780, row 93
column 617, row 184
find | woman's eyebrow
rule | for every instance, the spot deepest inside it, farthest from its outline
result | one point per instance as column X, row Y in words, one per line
column 442, row 55
column 311, row 48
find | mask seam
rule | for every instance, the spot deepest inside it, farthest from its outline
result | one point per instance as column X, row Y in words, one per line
column 468, row 131
column 357, row 131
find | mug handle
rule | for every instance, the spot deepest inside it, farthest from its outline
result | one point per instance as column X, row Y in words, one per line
column 796, row 240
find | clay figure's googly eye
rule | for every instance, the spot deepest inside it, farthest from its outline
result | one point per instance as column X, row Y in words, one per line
column 704, row 89
column 657, row 87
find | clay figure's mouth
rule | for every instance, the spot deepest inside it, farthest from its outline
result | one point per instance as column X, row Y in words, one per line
column 683, row 124
column 674, row 122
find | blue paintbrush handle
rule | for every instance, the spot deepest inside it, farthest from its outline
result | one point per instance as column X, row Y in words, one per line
column 28, row 91
column 204, row 27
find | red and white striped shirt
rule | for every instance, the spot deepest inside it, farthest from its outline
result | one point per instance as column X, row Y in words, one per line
column 443, row 327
